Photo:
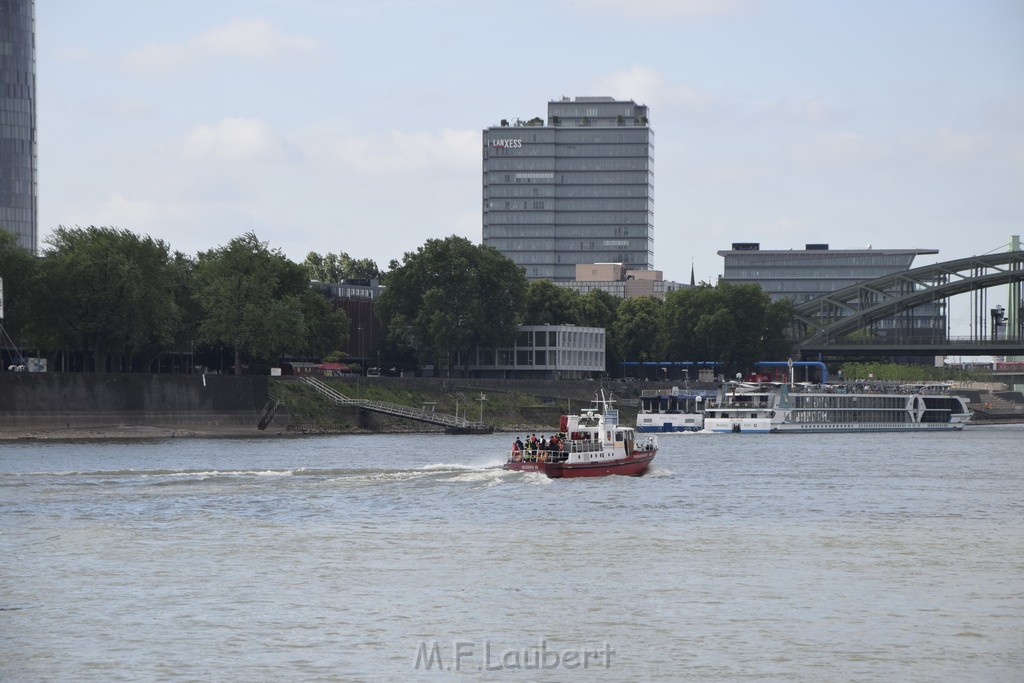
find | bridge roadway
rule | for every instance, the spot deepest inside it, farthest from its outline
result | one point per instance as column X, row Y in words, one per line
column 811, row 348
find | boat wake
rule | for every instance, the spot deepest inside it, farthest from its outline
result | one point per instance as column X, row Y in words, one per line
column 655, row 472
column 487, row 472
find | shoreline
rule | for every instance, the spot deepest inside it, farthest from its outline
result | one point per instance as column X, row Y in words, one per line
column 127, row 433
column 130, row 433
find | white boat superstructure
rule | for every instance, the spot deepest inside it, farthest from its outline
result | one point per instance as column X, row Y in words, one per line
column 672, row 410
column 740, row 407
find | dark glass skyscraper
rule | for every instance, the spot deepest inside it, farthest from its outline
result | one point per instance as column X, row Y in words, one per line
column 577, row 188
column 18, row 121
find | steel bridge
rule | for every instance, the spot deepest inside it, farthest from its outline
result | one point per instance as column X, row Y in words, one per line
column 850, row 320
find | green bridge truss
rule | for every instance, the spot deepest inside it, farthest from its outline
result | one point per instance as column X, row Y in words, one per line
column 829, row 320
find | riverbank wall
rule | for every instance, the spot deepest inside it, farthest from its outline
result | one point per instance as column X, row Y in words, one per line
column 84, row 403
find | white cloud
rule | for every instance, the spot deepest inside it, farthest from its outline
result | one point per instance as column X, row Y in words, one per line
column 640, row 84
column 645, row 85
column 119, row 211
column 243, row 38
column 813, row 110
column 399, row 151
column 955, row 143
column 251, row 38
column 237, row 139
column 668, row 9
column 160, row 59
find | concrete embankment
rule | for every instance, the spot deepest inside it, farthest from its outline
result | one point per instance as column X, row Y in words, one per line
column 73, row 405
column 85, row 405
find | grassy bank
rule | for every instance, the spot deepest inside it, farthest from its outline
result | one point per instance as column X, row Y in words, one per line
column 507, row 407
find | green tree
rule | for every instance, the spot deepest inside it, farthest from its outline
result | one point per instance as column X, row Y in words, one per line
column 683, row 310
column 547, row 303
column 105, row 291
column 716, row 334
column 326, row 329
column 739, row 328
column 779, row 330
column 324, row 268
column 17, row 269
column 251, row 298
column 449, row 297
column 634, row 334
column 598, row 308
column 331, row 267
column 734, row 324
column 186, row 335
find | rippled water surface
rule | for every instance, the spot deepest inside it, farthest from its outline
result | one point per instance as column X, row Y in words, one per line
column 816, row 557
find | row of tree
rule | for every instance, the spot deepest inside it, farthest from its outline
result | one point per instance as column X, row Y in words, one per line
column 121, row 301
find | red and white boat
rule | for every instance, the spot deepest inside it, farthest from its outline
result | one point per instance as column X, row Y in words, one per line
column 592, row 444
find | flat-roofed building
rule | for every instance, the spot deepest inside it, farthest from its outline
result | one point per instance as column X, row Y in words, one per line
column 544, row 352
column 816, row 270
column 620, row 281
column 801, row 275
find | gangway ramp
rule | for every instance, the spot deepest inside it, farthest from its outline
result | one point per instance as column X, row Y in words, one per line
column 452, row 424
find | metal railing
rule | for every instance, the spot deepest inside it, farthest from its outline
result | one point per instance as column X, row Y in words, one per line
column 393, row 409
column 919, row 341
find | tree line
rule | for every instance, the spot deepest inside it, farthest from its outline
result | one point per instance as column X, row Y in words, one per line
column 105, row 299
column 120, row 302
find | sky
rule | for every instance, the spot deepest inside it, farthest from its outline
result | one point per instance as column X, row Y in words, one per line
column 356, row 125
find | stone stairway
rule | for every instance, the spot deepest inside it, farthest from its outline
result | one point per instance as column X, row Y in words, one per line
column 451, row 423
column 994, row 404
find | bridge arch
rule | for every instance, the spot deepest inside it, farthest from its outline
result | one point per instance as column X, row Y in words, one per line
column 854, row 308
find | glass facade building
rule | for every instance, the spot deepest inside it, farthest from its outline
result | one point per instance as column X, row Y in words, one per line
column 544, row 352
column 577, row 188
column 18, row 121
column 803, row 275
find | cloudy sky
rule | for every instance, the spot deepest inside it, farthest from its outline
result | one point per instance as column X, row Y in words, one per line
column 355, row 125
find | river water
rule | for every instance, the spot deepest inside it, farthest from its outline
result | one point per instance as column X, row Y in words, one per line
column 869, row 557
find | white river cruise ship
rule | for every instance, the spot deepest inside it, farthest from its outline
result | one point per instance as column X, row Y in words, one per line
column 769, row 407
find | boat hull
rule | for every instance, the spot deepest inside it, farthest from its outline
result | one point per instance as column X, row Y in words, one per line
column 759, row 425
column 792, row 428
column 667, row 428
column 634, row 466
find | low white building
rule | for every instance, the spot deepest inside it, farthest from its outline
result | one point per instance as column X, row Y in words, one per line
column 545, row 352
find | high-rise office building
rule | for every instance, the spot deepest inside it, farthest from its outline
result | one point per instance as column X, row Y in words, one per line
column 577, row 188
column 18, row 121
